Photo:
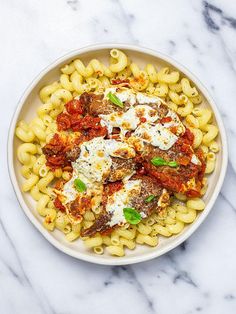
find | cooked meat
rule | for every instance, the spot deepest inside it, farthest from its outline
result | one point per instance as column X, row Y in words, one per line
column 149, row 186
column 73, row 154
column 95, row 105
column 77, row 208
column 162, row 110
column 178, row 173
column 54, row 152
column 176, row 179
column 100, row 225
column 98, row 107
column 120, row 168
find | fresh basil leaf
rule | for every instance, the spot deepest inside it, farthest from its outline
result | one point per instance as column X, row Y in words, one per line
column 80, row 185
column 173, row 164
column 131, row 215
column 158, row 161
column 150, row 198
column 115, row 100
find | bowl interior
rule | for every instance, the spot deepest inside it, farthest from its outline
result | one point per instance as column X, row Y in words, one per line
column 27, row 111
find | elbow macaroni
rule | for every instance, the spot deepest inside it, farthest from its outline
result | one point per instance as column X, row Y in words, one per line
column 179, row 94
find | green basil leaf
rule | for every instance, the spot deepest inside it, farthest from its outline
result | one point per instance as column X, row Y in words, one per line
column 80, row 185
column 158, row 161
column 150, row 198
column 131, row 215
column 173, row 164
column 115, row 100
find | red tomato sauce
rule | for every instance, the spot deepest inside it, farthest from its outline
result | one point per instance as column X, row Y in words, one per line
column 86, row 127
column 58, row 204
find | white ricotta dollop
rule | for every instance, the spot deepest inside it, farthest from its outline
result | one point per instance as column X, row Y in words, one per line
column 120, row 200
column 156, row 135
column 175, row 122
column 94, row 160
column 130, row 119
column 71, row 193
column 124, row 94
column 146, row 99
column 126, row 121
column 195, row 160
column 93, row 166
column 132, row 97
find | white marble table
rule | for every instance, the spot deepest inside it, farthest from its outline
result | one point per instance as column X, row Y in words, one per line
column 200, row 275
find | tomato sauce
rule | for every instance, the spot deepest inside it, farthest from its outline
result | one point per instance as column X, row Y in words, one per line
column 59, row 151
column 75, row 106
column 63, row 122
column 79, row 206
column 124, row 82
column 58, row 204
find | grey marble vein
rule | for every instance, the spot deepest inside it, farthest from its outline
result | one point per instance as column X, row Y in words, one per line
column 136, row 283
column 210, row 11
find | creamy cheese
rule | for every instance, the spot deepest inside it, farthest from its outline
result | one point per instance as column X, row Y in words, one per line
column 70, row 193
column 124, row 120
column 124, row 94
column 120, row 200
column 95, row 161
column 93, row 167
column 163, row 199
column 143, row 215
column 129, row 120
column 146, row 99
column 147, row 112
column 119, row 149
column 157, row 135
column 175, row 122
column 195, row 160
column 129, row 95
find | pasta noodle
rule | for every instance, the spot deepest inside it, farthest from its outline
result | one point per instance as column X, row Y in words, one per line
column 43, row 182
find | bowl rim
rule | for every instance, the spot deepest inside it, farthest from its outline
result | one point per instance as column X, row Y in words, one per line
column 156, row 252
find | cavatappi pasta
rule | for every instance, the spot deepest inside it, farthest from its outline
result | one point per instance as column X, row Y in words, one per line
column 149, row 85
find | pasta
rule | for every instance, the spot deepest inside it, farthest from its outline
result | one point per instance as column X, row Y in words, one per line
column 46, row 172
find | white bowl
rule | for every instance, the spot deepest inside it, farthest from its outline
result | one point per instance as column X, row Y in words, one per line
column 27, row 110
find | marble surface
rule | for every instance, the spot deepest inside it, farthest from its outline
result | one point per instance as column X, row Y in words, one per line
column 197, row 277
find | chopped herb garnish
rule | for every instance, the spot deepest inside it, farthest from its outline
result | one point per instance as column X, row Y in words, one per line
column 115, row 100
column 150, row 198
column 173, row 164
column 80, row 185
column 158, row 161
column 132, row 216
